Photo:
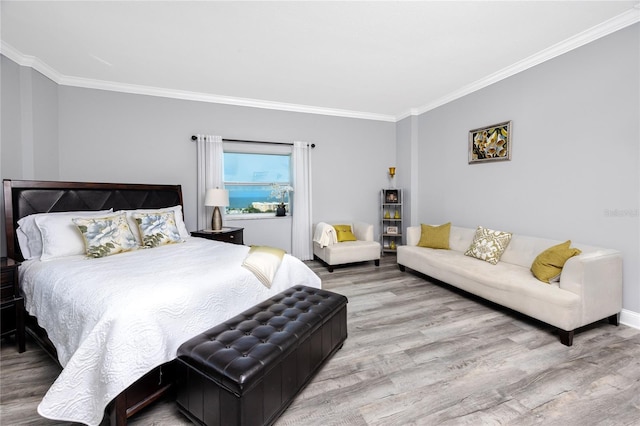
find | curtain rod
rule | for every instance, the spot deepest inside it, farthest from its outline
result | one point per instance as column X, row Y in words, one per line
column 194, row 138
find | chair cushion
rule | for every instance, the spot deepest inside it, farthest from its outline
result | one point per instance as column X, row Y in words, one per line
column 348, row 252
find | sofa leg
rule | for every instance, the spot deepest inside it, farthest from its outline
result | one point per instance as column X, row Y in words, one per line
column 377, row 262
column 402, row 268
column 614, row 319
column 566, row 337
column 330, row 268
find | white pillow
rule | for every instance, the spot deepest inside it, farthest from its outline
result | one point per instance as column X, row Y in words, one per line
column 30, row 236
column 177, row 212
column 23, row 242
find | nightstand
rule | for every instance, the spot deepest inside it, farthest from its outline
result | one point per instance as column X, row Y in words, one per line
column 227, row 235
column 11, row 303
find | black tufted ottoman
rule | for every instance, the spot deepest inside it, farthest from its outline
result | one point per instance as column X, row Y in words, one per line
column 247, row 370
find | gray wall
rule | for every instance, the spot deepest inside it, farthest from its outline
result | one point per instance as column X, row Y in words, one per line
column 574, row 172
column 29, row 123
column 102, row 136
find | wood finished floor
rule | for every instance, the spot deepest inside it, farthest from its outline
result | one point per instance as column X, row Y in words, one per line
column 419, row 353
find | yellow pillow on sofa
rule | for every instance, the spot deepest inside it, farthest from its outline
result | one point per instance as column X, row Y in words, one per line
column 547, row 266
column 343, row 233
column 436, row 237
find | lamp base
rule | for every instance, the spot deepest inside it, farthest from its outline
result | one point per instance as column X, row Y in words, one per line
column 216, row 219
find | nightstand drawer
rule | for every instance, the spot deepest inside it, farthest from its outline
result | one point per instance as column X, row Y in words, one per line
column 229, row 238
column 226, row 235
column 12, row 304
column 6, row 291
column 7, row 276
column 8, row 318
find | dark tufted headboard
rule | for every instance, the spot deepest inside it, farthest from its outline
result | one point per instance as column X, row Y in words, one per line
column 25, row 197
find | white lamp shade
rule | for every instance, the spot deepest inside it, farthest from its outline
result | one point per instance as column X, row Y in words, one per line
column 216, row 197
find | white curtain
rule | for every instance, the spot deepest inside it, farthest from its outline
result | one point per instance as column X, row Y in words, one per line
column 210, row 174
column 301, row 221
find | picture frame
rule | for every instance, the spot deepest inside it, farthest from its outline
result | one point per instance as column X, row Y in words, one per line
column 391, row 196
column 392, row 230
column 491, row 143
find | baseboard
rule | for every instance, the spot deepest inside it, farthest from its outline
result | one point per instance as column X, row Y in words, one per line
column 630, row 318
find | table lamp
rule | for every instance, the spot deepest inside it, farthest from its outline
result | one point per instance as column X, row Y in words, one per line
column 216, row 197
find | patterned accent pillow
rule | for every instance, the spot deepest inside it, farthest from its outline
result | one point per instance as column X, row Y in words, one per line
column 157, row 229
column 104, row 236
column 488, row 245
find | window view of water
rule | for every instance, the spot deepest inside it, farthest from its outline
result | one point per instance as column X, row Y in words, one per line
column 252, row 199
column 249, row 179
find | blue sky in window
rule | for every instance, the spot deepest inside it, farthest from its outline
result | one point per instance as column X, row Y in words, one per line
column 266, row 168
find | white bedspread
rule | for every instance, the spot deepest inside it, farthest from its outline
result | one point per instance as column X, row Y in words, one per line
column 114, row 319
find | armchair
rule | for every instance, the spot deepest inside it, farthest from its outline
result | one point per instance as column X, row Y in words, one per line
column 327, row 249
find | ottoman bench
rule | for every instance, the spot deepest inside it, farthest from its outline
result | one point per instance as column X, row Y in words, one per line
column 247, row 370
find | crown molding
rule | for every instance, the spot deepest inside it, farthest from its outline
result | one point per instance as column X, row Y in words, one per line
column 612, row 25
column 29, row 61
column 218, row 99
column 63, row 80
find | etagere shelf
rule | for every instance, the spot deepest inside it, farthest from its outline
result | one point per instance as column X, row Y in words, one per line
column 391, row 217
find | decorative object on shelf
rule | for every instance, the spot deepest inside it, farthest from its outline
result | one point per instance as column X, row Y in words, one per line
column 387, row 215
column 392, row 229
column 392, row 245
column 216, row 197
column 397, row 214
column 491, row 143
column 391, row 196
column 279, row 191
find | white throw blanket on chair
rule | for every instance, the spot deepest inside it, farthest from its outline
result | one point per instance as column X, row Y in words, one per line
column 325, row 234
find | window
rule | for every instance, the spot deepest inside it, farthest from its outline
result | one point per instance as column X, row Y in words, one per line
column 248, row 176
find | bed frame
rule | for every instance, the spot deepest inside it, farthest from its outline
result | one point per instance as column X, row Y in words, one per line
column 25, row 197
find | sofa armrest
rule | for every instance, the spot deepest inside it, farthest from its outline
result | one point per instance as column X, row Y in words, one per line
column 363, row 231
column 413, row 235
column 597, row 279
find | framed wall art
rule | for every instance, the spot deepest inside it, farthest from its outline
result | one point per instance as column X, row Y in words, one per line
column 490, row 143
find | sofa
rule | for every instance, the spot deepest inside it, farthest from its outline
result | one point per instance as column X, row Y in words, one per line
column 332, row 252
column 589, row 288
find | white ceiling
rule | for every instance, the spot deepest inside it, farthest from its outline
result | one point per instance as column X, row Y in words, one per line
column 378, row 60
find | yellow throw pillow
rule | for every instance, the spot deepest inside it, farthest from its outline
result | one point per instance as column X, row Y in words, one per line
column 547, row 266
column 343, row 233
column 435, row 237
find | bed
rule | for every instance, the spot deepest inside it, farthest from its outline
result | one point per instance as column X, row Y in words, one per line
column 114, row 322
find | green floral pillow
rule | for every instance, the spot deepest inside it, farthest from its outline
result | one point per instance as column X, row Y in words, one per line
column 488, row 245
column 104, row 236
column 157, row 229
